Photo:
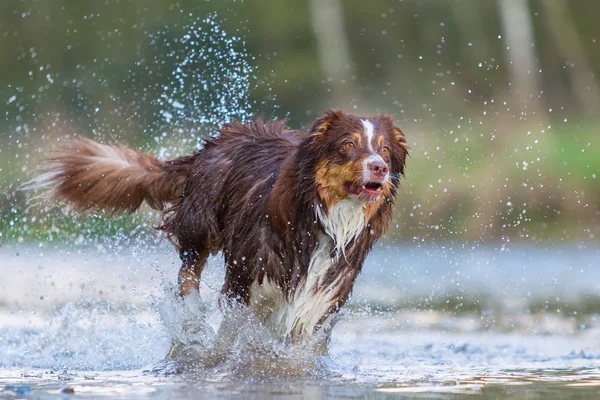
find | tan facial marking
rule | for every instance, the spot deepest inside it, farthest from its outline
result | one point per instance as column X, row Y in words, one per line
column 330, row 180
column 330, row 183
column 357, row 138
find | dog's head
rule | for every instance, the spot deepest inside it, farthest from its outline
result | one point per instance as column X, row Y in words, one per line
column 357, row 158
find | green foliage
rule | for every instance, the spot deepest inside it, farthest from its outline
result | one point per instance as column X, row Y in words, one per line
column 501, row 151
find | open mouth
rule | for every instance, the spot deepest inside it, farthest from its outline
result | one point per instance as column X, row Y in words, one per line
column 373, row 186
column 370, row 190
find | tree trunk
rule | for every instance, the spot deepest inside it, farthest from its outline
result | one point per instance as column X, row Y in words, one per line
column 569, row 45
column 332, row 45
column 515, row 18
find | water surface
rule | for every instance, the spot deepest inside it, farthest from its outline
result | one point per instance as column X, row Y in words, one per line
column 424, row 321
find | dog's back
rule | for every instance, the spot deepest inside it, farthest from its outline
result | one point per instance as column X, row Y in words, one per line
column 224, row 197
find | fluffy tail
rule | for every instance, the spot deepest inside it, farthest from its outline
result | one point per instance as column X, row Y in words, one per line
column 94, row 176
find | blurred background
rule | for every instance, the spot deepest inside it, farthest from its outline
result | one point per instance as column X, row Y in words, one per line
column 499, row 100
column 492, row 257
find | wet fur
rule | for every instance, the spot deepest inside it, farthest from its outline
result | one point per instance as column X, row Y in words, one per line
column 261, row 194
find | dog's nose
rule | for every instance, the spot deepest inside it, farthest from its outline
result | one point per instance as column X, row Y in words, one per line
column 378, row 168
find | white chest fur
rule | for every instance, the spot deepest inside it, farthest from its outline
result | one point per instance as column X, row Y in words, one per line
column 343, row 222
column 296, row 317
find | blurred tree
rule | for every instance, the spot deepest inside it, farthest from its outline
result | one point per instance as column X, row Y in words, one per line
column 332, row 44
column 525, row 80
column 462, row 77
column 568, row 43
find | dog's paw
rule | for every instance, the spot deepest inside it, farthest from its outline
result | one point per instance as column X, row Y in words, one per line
column 194, row 305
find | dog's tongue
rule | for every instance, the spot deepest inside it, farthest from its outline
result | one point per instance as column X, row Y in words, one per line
column 370, row 191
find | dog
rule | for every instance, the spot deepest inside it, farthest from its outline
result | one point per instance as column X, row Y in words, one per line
column 294, row 213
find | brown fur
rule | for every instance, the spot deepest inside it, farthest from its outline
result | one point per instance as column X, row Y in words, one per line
column 94, row 176
column 253, row 193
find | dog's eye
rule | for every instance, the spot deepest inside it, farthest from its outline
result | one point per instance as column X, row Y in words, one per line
column 385, row 151
column 349, row 146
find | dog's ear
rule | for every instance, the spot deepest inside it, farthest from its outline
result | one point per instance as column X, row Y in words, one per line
column 322, row 124
column 399, row 146
column 400, row 138
column 400, row 150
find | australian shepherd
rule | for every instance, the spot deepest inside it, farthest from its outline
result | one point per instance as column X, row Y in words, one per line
column 295, row 213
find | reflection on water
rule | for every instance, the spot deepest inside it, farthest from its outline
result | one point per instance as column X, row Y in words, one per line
column 540, row 384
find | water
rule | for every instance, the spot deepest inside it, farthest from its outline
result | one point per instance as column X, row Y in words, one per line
column 427, row 321
column 210, row 83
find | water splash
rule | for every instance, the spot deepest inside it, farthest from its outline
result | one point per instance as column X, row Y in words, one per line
column 226, row 340
column 211, row 80
column 210, row 85
column 86, row 335
column 212, row 340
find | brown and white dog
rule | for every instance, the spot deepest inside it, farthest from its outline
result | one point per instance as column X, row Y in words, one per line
column 295, row 213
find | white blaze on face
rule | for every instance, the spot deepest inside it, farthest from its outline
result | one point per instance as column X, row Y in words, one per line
column 369, row 132
column 370, row 135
